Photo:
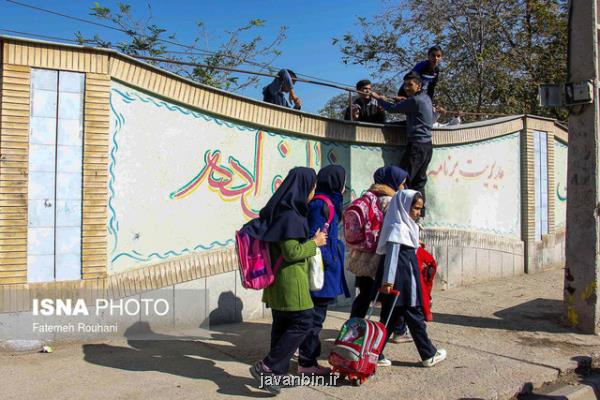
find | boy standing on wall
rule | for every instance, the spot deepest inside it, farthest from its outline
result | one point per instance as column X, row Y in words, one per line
column 274, row 92
column 419, row 121
column 429, row 71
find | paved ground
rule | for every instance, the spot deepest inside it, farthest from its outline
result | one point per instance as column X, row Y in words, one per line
column 501, row 336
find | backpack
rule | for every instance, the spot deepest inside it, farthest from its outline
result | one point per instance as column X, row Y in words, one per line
column 362, row 223
column 255, row 261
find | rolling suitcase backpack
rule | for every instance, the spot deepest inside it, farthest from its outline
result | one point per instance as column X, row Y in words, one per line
column 358, row 346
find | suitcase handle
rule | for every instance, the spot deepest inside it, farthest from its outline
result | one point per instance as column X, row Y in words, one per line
column 396, row 294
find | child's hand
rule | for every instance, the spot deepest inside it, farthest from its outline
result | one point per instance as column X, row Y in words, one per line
column 386, row 288
column 320, row 238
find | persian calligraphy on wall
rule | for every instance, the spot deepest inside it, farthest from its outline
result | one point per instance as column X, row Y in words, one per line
column 476, row 187
column 183, row 181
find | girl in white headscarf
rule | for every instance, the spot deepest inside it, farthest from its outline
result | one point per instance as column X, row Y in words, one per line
column 399, row 241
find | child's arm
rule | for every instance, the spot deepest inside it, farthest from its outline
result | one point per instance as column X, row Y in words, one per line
column 292, row 250
column 390, row 265
column 405, row 107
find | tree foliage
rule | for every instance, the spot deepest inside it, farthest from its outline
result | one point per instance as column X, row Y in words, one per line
column 242, row 46
column 496, row 52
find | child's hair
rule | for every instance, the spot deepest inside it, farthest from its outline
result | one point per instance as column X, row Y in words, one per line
column 416, row 197
column 413, row 76
column 433, row 49
column 362, row 83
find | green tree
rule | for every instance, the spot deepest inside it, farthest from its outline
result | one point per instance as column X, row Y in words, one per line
column 242, row 46
column 496, row 52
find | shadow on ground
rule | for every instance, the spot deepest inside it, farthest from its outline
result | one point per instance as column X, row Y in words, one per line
column 541, row 315
column 191, row 357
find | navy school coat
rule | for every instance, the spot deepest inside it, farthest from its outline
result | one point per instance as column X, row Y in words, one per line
column 333, row 252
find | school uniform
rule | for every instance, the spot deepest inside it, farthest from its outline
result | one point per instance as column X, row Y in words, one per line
column 399, row 241
column 283, row 223
column 364, row 265
column 330, row 183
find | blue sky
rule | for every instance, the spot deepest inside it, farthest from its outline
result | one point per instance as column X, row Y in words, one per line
column 307, row 49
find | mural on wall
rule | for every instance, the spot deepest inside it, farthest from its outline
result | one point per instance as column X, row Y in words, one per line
column 196, row 178
column 560, row 182
column 476, row 187
column 183, row 181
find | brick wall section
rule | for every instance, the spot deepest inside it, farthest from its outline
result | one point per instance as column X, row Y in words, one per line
column 14, row 143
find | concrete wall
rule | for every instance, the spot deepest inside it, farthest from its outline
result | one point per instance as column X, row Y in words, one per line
column 171, row 168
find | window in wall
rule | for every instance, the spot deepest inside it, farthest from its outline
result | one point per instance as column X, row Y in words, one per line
column 540, row 145
column 55, row 176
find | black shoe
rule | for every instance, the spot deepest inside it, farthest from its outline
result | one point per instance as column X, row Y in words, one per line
column 258, row 372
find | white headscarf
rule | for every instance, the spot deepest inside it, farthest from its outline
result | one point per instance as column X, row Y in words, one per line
column 398, row 226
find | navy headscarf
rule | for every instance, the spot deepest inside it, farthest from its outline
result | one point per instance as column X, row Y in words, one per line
column 390, row 175
column 330, row 181
column 284, row 216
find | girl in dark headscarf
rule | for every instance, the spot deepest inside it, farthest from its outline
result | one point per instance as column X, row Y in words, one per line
column 283, row 223
column 331, row 182
column 388, row 180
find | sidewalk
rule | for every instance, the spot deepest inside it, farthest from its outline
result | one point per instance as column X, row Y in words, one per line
column 501, row 336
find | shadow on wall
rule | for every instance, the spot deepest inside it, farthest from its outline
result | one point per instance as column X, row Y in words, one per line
column 229, row 309
column 544, row 315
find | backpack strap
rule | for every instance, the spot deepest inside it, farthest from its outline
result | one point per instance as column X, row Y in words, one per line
column 330, row 207
column 277, row 265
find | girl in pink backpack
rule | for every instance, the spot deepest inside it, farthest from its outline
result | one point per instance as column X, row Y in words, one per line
column 387, row 181
column 283, row 224
column 326, row 206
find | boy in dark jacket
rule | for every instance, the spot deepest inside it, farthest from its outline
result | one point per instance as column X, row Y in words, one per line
column 365, row 108
column 429, row 71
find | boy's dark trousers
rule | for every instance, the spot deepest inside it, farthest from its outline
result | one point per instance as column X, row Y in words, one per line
column 414, row 319
column 361, row 303
column 415, row 161
column 310, row 349
column 288, row 331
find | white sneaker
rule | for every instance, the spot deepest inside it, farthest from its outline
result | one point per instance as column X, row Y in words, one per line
column 439, row 356
column 384, row 362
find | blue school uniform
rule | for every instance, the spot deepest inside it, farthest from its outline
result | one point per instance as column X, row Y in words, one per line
column 334, row 251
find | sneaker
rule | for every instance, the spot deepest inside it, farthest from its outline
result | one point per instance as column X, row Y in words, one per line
column 316, row 370
column 383, row 362
column 401, row 338
column 259, row 370
column 439, row 356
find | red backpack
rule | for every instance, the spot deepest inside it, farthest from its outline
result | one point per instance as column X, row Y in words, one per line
column 362, row 223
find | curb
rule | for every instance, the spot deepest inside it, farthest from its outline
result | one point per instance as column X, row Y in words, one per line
column 586, row 390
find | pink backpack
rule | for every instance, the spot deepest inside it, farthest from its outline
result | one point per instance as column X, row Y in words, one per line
column 255, row 261
column 362, row 223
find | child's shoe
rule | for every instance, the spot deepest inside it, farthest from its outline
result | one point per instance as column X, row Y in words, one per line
column 383, row 362
column 439, row 356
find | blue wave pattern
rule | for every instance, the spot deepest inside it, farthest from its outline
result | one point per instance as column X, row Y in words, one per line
column 113, row 223
column 137, row 256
